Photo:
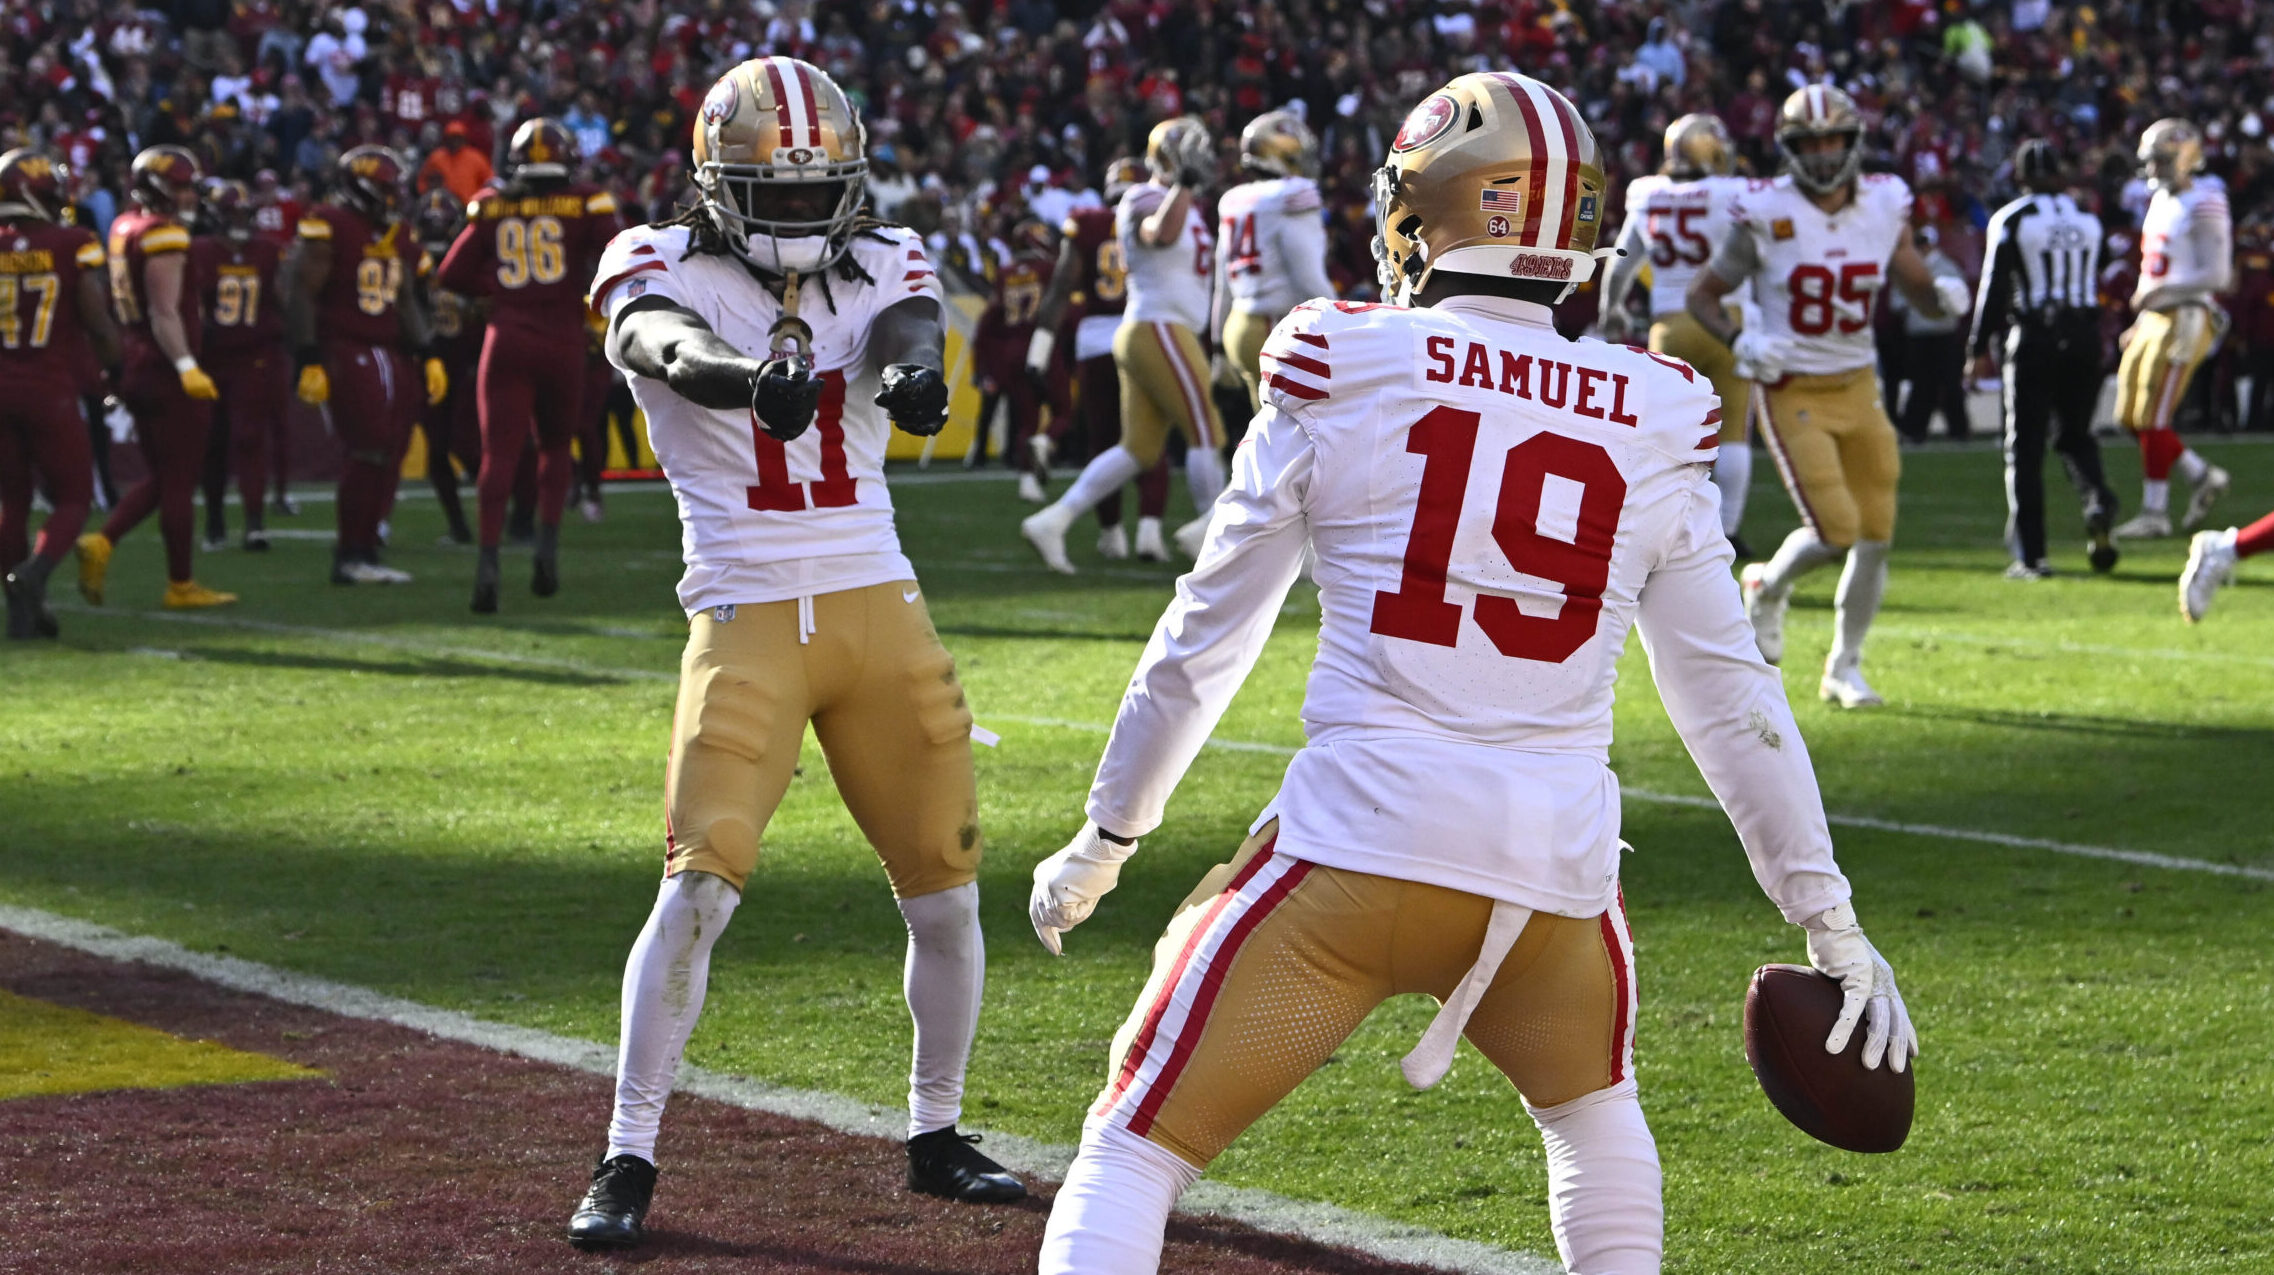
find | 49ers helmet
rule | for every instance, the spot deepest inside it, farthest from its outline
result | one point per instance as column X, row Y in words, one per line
column 1493, row 174
column 1697, row 145
column 32, row 184
column 542, row 149
column 371, row 182
column 1281, row 144
column 1180, row 150
column 2171, row 152
column 781, row 159
column 1120, row 175
column 160, row 175
column 1820, row 111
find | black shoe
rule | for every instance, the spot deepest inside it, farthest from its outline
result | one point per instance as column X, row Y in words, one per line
column 485, row 583
column 256, row 540
column 2103, row 553
column 545, row 578
column 28, row 616
column 612, row 1212
column 947, row 1164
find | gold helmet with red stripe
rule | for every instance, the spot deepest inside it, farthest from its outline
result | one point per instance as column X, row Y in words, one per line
column 781, row 159
column 1820, row 110
column 1493, row 174
column 1697, row 145
column 1180, row 150
column 1120, row 175
column 32, row 184
column 2171, row 152
column 541, row 149
column 1280, row 144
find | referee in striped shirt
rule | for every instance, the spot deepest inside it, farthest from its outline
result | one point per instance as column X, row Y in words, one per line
column 2040, row 289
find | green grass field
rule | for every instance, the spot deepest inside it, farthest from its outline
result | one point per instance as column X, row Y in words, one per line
column 377, row 787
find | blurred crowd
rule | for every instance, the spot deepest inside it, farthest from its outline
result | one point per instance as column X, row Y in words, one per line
column 1007, row 104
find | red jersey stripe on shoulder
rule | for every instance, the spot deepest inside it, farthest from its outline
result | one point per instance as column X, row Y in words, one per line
column 1296, row 388
column 1688, row 373
column 1310, row 338
column 644, row 250
column 1301, row 363
column 1710, row 441
column 1712, row 417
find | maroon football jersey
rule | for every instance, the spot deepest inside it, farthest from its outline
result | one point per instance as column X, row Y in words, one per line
column 370, row 265
column 41, row 337
column 136, row 237
column 243, row 314
column 1101, row 281
column 1019, row 285
column 533, row 254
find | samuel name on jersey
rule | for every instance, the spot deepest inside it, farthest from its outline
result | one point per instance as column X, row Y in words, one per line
column 1480, row 490
column 766, row 520
column 1818, row 272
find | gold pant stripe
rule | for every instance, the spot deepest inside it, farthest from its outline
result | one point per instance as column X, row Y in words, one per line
column 881, row 693
column 1164, row 387
column 1272, row 962
column 1190, row 382
column 2158, row 362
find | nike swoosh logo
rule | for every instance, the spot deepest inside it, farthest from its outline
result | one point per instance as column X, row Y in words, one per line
column 911, row 595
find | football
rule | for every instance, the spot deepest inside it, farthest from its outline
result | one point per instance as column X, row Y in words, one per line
column 1789, row 1010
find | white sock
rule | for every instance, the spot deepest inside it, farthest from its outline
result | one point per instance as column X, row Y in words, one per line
column 2155, row 495
column 1733, row 475
column 947, row 964
column 1110, row 471
column 1604, row 1187
column 2191, row 466
column 1857, row 602
column 663, row 994
column 1800, row 554
column 1204, row 477
column 1109, row 1216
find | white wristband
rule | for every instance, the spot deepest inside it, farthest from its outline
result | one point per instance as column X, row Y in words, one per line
column 1038, row 349
column 186, row 364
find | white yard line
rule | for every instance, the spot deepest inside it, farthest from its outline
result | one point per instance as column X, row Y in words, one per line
column 1324, row 1223
column 1979, row 836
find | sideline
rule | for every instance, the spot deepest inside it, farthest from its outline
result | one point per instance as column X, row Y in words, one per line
column 1980, row 836
column 1321, row 1223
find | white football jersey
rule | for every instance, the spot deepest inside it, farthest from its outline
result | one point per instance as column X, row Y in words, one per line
column 1493, row 507
column 1271, row 245
column 1675, row 226
column 2186, row 246
column 1166, row 285
column 762, row 520
column 1815, row 273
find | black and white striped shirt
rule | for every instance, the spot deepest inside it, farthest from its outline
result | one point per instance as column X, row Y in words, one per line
column 2043, row 258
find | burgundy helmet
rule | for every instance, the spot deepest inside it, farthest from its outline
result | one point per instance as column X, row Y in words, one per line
column 230, row 203
column 371, row 182
column 541, row 148
column 438, row 216
column 161, row 174
column 33, row 184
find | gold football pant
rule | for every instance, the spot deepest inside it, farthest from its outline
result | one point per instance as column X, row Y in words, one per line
column 1164, row 386
column 1244, row 334
column 1684, row 338
column 2151, row 377
column 1272, row 962
column 1836, row 450
column 867, row 669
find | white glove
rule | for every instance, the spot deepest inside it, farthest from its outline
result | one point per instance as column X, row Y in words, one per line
column 1068, row 884
column 1836, row 946
column 1038, row 351
column 1954, row 296
column 1760, row 355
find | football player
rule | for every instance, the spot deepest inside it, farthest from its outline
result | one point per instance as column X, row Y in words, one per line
column 768, row 333
column 1674, row 219
column 2211, row 559
column 1006, row 332
column 531, row 245
column 165, row 389
column 453, row 426
column 1272, row 246
column 54, row 306
column 358, row 337
column 1817, row 244
column 2186, row 255
column 244, row 352
column 1092, row 274
column 1166, row 248
column 1493, row 507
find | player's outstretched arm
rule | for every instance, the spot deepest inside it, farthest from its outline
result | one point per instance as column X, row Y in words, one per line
column 664, row 341
column 909, row 344
column 1055, row 298
column 1730, row 709
column 1933, row 296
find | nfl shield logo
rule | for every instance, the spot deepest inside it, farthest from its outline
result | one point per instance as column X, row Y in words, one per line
column 1586, row 208
column 724, row 615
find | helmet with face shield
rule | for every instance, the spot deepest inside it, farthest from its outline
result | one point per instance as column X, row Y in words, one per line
column 780, row 162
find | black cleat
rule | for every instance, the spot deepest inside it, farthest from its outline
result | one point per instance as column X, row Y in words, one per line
column 545, row 579
column 613, row 1212
column 28, row 616
column 485, row 583
column 2103, row 553
column 947, row 1164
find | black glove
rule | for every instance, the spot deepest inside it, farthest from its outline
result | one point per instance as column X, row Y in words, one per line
column 783, row 396
column 915, row 398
